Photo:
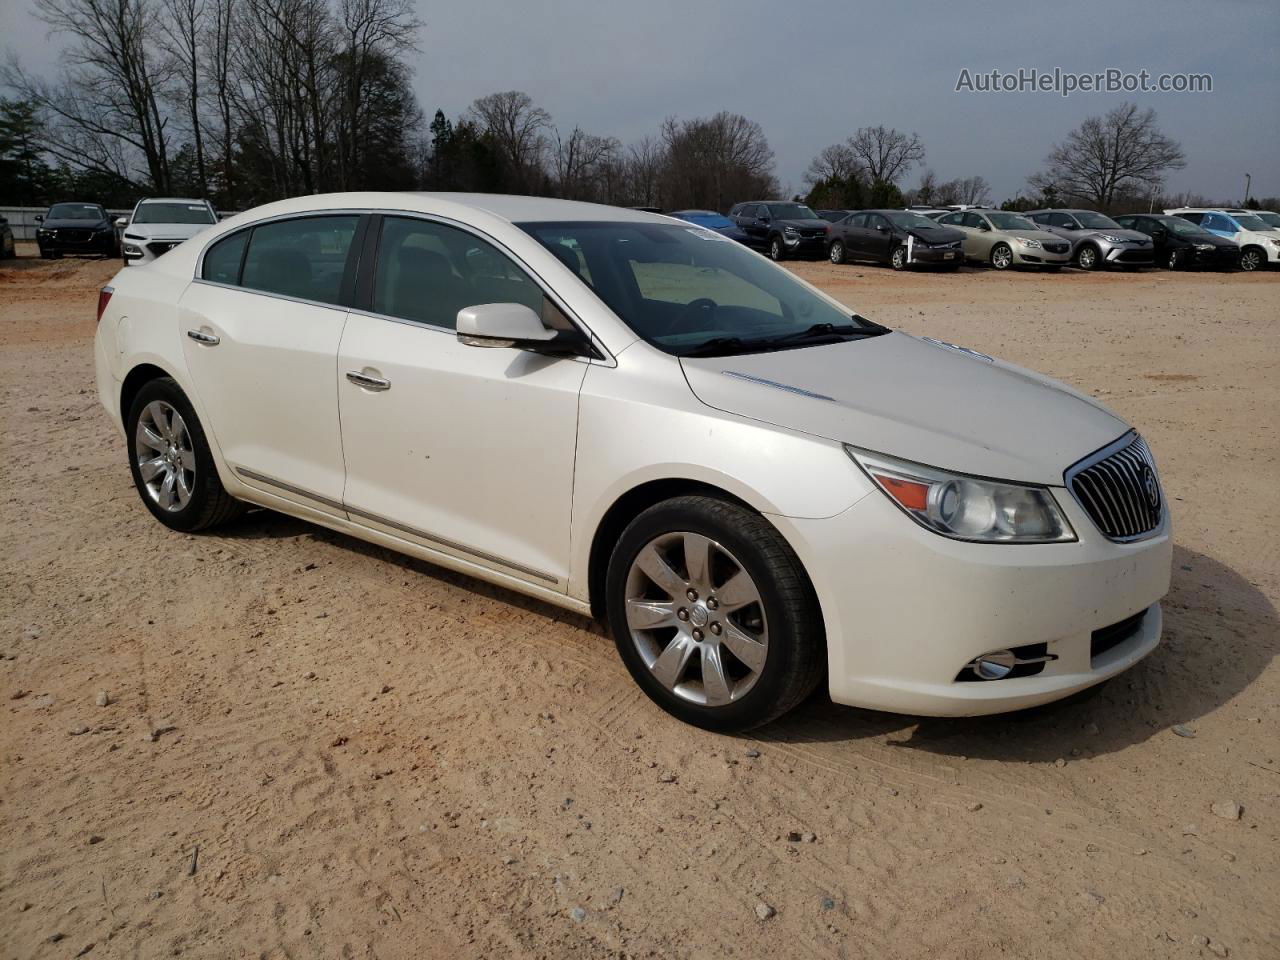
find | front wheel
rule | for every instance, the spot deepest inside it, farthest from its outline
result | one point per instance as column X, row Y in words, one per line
column 1174, row 260
column 898, row 259
column 172, row 466
column 836, row 253
column 713, row 614
column 1001, row 256
column 1251, row 259
column 776, row 249
column 1088, row 258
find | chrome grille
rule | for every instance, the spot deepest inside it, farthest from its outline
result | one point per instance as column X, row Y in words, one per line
column 1119, row 489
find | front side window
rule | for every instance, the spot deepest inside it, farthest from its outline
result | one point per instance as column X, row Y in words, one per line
column 910, row 221
column 681, row 286
column 1010, row 221
column 427, row 272
column 164, row 212
column 222, row 261
column 1215, row 221
column 1247, row 221
column 303, row 258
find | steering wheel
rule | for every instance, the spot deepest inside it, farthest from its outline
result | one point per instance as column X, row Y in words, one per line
column 693, row 311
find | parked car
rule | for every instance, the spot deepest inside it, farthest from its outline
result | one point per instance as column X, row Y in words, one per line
column 1259, row 244
column 1007, row 239
column 781, row 228
column 158, row 224
column 751, row 483
column 933, row 213
column 1181, row 243
column 896, row 237
column 8, row 247
column 712, row 221
column 78, row 229
column 1096, row 240
column 831, row 216
column 1269, row 217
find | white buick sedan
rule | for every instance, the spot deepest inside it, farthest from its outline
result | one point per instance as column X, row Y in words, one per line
column 636, row 418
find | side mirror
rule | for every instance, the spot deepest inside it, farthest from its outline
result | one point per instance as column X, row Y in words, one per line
column 1160, row 233
column 881, row 228
column 984, row 228
column 122, row 221
column 515, row 325
column 39, row 218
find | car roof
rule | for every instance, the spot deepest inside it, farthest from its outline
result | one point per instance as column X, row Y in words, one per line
column 170, row 200
column 700, row 213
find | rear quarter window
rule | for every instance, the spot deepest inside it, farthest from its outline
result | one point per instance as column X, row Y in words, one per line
column 222, row 260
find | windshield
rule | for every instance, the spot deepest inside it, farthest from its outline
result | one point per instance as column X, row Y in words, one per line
column 156, row 212
column 1248, row 221
column 791, row 211
column 1183, row 228
column 1010, row 221
column 1096, row 221
column 76, row 211
column 713, row 220
column 1272, row 220
column 910, row 221
column 680, row 287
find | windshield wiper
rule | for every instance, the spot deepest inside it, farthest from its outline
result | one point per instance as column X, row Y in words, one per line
column 818, row 330
column 717, row 346
column 828, row 332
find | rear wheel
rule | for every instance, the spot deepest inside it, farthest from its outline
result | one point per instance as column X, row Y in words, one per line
column 836, row 253
column 713, row 615
column 1001, row 256
column 169, row 457
column 1251, row 258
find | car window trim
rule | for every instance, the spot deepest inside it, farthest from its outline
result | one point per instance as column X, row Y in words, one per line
column 367, row 273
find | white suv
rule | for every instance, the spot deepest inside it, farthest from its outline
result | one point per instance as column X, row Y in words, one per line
column 159, row 224
column 636, row 417
column 1258, row 240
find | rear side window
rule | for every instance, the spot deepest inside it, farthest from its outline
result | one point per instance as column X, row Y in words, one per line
column 222, row 261
column 1193, row 217
column 303, row 258
column 427, row 272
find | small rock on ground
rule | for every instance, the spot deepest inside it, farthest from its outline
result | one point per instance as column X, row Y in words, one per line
column 578, row 914
column 764, row 911
column 102, row 699
column 1182, row 730
column 974, row 807
column 666, row 778
column 1227, row 809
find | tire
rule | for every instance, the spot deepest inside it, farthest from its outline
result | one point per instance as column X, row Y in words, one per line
column 1089, row 257
column 1001, row 256
column 837, row 252
column 898, row 259
column 207, row 503
column 665, row 638
column 1251, row 258
column 1174, row 260
column 777, row 250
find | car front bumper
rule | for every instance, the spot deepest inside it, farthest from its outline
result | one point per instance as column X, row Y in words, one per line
column 906, row 609
column 1039, row 257
column 1130, row 256
column 806, row 246
column 936, row 255
column 77, row 243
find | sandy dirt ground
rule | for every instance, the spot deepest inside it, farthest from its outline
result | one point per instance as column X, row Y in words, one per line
column 314, row 748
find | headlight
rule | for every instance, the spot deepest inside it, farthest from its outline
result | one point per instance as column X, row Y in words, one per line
column 43, row 232
column 1029, row 243
column 967, row 508
column 791, row 231
column 1110, row 239
column 133, row 251
column 1204, row 247
column 1274, row 243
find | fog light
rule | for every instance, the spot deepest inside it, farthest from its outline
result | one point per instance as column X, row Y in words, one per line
column 995, row 666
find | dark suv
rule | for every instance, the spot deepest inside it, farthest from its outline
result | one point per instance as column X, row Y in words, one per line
column 781, row 228
column 79, row 229
column 899, row 238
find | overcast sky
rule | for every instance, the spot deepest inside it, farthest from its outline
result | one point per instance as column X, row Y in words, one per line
column 812, row 72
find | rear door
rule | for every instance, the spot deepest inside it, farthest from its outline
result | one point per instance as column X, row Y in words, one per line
column 466, row 450
column 970, row 244
column 260, row 333
column 880, row 237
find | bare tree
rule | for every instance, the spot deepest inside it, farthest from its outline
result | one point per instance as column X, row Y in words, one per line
column 182, row 38
column 885, row 153
column 218, row 67
column 972, row 190
column 580, row 161
column 643, row 169
column 713, row 161
column 1120, row 152
column 105, row 113
column 516, row 126
column 836, row 162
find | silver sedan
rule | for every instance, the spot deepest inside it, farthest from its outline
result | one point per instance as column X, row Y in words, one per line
column 1007, row 239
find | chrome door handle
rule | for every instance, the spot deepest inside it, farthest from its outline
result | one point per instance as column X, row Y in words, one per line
column 205, row 338
column 368, row 382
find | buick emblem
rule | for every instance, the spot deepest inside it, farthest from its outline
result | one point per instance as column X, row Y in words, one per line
column 1150, row 485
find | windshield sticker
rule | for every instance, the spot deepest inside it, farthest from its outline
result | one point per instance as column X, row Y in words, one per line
column 195, row 206
column 702, row 233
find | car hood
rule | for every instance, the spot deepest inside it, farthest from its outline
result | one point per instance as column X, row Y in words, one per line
column 805, row 225
column 937, row 234
column 917, row 399
column 1044, row 236
column 1122, row 233
column 165, row 231
column 64, row 224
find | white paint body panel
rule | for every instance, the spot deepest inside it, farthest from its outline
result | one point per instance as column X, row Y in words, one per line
column 502, row 464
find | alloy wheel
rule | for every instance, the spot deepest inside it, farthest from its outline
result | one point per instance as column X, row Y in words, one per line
column 1001, row 256
column 1088, row 258
column 837, row 252
column 166, row 460
column 899, row 258
column 775, row 249
column 1250, row 260
column 1175, row 259
column 696, row 618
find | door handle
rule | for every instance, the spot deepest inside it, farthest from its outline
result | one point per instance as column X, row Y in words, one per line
column 368, row 382
column 206, row 338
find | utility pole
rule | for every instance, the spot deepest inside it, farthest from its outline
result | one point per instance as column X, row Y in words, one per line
column 1248, row 181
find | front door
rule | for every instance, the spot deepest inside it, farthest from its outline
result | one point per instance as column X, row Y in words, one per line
column 260, row 332
column 467, row 450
